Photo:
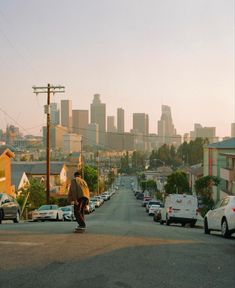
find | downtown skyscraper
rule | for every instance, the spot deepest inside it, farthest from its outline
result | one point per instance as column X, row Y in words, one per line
column 98, row 116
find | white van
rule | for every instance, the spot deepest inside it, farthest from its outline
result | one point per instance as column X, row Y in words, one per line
column 180, row 208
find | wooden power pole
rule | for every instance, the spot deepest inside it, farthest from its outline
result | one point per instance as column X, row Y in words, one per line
column 48, row 90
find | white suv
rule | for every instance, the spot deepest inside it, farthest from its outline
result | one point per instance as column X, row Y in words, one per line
column 221, row 218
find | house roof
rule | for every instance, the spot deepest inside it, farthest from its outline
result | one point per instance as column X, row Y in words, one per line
column 16, row 177
column 226, row 144
column 229, row 155
column 37, row 168
column 5, row 150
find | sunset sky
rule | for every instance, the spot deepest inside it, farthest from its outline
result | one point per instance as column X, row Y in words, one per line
column 137, row 54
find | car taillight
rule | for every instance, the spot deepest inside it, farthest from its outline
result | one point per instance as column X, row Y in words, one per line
column 197, row 211
column 170, row 210
column 233, row 209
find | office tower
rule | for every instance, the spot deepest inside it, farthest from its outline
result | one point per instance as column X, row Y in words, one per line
column 120, row 120
column 71, row 143
column 98, row 116
column 55, row 114
column 111, row 124
column 12, row 133
column 204, row 132
column 233, row 130
column 56, row 134
column 80, row 119
column 66, row 113
column 141, row 131
column 166, row 129
column 141, row 123
column 92, row 135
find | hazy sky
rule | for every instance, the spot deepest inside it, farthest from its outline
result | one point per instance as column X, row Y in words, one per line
column 138, row 54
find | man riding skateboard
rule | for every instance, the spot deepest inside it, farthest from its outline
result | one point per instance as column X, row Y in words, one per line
column 79, row 195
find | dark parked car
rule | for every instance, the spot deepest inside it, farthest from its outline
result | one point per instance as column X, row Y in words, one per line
column 139, row 196
column 9, row 208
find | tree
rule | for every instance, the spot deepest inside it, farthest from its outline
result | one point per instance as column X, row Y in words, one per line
column 33, row 196
column 192, row 153
column 203, row 187
column 177, row 182
column 90, row 176
column 125, row 167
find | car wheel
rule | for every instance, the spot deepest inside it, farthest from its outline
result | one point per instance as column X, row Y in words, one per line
column 224, row 229
column 161, row 222
column 206, row 229
column 192, row 224
column 17, row 219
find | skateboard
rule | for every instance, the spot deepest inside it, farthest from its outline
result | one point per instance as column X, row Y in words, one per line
column 79, row 230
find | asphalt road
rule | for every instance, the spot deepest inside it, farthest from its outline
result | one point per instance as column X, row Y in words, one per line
column 122, row 248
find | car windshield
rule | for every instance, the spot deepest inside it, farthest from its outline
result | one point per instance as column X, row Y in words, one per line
column 65, row 208
column 47, row 207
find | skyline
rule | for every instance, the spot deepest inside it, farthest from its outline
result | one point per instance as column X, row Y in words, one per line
column 137, row 55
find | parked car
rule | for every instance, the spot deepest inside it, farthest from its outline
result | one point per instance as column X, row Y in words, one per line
column 152, row 208
column 140, row 196
column 105, row 196
column 96, row 201
column 48, row 212
column 145, row 201
column 90, row 208
column 68, row 212
column 152, row 202
column 180, row 208
column 221, row 218
column 100, row 199
column 9, row 208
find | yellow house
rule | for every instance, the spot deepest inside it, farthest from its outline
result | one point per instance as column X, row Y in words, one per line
column 5, row 170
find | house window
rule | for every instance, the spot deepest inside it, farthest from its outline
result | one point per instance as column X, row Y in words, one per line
column 2, row 175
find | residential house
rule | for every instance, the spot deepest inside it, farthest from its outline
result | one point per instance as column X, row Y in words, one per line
column 5, row 170
column 227, row 175
column 215, row 161
column 19, row 181
column 58, row 174
column 194, row 172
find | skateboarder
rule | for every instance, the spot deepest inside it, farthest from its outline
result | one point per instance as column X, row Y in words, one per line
column 79, row 195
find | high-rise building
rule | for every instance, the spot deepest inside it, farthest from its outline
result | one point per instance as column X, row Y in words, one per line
column 120, row 120
column 111, row 124
column 80, row 119
column 166, row 129
column 204, row 132
column 141, row 131
column 141, row 123
column 98, row 116
column 71, row 143
column 92, row 135
column 233, row 130
column 55, row 114
column 66, row 114
column 56, row 134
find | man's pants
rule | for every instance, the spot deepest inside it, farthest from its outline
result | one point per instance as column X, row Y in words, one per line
column 79, row 211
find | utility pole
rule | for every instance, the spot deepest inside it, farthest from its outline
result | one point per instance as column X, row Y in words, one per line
column 48, row 90
column 98, row 172
column 82, row 159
